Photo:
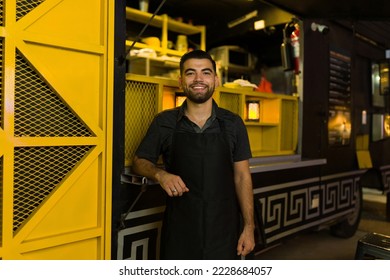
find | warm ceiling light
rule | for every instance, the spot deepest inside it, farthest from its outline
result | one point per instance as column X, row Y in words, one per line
column 260, row 24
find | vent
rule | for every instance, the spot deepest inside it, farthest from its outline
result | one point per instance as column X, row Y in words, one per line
column 39, row 112
column 141, row 107
column 37, row 172
column 23, row 7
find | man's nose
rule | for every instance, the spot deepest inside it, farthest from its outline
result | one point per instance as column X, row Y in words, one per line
column 198, row 77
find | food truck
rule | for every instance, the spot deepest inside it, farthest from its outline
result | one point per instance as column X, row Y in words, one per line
column 82, row 80
column 310, row 141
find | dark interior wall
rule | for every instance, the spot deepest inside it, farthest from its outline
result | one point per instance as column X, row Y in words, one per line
column 316, row 88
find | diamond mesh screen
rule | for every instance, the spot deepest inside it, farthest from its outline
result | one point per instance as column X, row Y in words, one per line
column 1, row 83
column 39, row 112
column 141, row 107
column 37, row 172
column 1, row 200
column 23, row 7
column 1, row 12
column 230, row 102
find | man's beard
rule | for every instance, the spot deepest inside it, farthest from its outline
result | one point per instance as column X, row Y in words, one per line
column 198, row 97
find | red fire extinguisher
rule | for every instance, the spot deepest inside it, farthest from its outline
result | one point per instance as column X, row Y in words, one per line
column 294, row 41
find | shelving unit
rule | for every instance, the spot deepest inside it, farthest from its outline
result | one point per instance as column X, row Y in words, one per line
column 274, row 134
column 166, row 24
column 150, row 66
column 276, row 131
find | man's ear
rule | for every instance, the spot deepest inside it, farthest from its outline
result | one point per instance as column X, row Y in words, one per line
column 179, row 81
column 216, row 81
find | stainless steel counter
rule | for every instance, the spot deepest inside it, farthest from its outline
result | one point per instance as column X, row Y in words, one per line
column 257, row 165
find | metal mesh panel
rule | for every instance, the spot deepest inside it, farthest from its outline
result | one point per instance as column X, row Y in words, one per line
column 39, row 112
column 141, row 105
column 230, row 102
column 1, row 12
column 1, row 83
column 37, row 172
column 1, row 200
column 23, row 7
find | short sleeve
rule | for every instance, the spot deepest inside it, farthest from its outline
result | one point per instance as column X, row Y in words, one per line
column 242, row 150
column 150, row 145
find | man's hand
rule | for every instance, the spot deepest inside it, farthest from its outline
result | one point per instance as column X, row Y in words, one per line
column 172, row 184
column 246, row 242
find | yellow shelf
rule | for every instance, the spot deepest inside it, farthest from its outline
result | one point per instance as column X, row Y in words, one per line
column 143, row 17
column 265, row 153
column 250, row 123
column 184, row 28
column 165, row 23
column 159, row 50
column 276, row 131
column 158, row 21
column 271, row 138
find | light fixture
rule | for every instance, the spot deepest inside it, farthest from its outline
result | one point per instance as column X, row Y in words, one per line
column 253, row 110
column 386, row 126
column 242, row 19
column 364, row 117
column 259, row 24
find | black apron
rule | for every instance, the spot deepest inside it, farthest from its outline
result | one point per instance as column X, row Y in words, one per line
column 204, row 222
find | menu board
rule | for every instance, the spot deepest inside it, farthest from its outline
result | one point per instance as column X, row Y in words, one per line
column 339, row 122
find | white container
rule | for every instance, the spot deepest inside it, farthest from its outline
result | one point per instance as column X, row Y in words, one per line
column 144, row 5
column 181, row 43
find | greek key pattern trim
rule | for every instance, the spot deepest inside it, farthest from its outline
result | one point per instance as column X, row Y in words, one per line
column 300, row 206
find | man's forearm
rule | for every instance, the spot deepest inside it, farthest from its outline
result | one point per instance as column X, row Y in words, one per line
column 146, row 168
column 244, row 191
column 245, row 198
column 172, row 184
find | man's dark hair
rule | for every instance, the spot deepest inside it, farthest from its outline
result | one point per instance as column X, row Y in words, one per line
column 197, row 54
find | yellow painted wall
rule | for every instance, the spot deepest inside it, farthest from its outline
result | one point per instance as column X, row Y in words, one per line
column 56, row 128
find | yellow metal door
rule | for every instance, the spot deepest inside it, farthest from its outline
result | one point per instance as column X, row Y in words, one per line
column 55, row 132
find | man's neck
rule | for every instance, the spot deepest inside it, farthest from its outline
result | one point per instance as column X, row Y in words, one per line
column 199, row 113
